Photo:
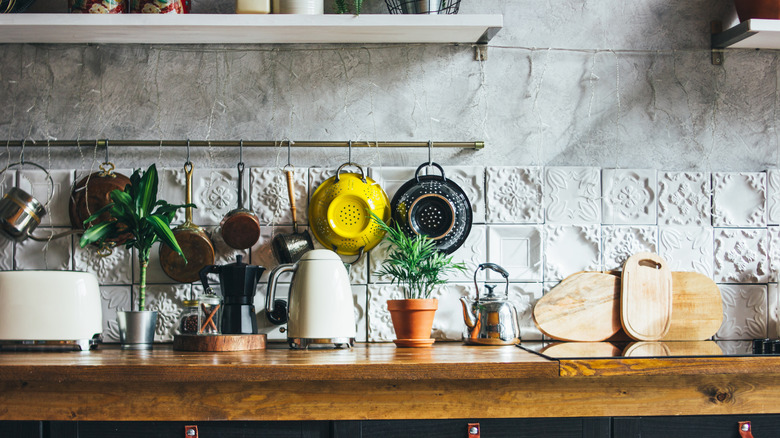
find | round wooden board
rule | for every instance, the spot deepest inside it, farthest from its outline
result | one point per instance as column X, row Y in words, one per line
column 219, row 342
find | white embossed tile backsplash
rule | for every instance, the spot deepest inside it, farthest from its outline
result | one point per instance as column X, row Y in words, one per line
column 541, row 224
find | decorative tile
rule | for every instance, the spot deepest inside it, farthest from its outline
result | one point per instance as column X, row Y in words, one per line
column 514, row 195
column 115, row 268
column 113, row 299
column 270, row 199
column 472, row 253
column 744, row 312
column 215, row 192
column 318, row 175
column 684, row 198
column 390, row 178
column 472, row 180
column 448, row 322
column 516, row 248
column 360, row 297
column 773, row 196
column 628, row 196
column 622, row 242
column 524, row 297
column 261, row 254
column 167, row 301
column 7, row 180
column 572, row 195
column 741, row 255
column 774, row 253
column 687, row 248
column 739, row 199
column 35, row 182
column 380, row 325
column 172, row 189
column 571, row 248
column 376, row 257
column 54, row 254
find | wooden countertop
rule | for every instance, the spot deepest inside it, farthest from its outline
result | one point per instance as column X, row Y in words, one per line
column 375, row 381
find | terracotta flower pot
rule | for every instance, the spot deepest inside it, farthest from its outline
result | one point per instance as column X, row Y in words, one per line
column 747, row 9
column 413, row 321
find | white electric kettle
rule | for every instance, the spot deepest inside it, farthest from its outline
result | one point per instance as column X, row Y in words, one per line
column 321, row 308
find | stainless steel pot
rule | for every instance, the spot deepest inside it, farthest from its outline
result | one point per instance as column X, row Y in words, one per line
column 21, row 213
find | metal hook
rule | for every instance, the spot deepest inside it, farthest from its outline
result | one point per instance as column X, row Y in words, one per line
column 430, row 152
column 106, row 160
column 21, row 156
column 188, row 153
column 241, row 150
column 289, row 152
column 350, row 152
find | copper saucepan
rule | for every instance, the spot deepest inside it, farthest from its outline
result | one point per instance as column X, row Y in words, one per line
column 93, row 193
column 194, row 243
column 240, row 228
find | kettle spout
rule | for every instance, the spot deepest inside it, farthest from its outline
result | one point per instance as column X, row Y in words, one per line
column 468, row 316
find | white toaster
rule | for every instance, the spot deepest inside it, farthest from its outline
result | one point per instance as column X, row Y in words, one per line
column 49, row 310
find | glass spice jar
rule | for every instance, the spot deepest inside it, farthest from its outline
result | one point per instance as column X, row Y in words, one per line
column 209, row 314
column 188, row 323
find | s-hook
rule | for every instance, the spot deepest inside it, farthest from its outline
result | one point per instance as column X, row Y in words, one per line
column 188, row 154
column 430, row 152
column 349, row 146
column 289, row 165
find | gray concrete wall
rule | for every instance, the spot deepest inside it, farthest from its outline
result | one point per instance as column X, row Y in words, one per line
column 601, row 83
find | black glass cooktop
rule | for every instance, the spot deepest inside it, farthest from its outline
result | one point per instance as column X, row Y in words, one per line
column 628, row 349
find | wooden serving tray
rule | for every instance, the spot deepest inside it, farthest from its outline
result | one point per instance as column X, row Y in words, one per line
column 219, row 342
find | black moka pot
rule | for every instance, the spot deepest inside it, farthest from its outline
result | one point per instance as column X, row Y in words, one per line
column 237, row 282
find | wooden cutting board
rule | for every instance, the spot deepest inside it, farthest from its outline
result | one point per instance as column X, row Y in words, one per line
column 646, row 297
column 697, row 307
column 583, row 307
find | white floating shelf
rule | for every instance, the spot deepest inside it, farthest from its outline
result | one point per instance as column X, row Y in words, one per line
column 750, row 34
column 247, row 29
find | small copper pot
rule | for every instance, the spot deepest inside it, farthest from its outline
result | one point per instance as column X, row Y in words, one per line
column 240, row 228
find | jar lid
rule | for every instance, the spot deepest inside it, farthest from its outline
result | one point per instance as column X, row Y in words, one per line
column 190, row 303
column 209, row 299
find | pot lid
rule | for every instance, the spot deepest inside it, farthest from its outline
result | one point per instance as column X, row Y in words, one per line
column 320, row 254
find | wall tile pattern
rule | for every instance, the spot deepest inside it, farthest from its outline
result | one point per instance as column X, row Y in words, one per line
column 539, row 243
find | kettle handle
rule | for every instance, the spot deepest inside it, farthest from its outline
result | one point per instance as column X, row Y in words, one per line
column 492, row 267
column 204, row 275
column 277, row 316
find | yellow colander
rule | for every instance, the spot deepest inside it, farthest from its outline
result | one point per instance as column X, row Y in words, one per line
column 337, row 212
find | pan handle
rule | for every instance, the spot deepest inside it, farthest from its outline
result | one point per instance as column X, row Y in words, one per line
column 431, row 164
column 362, row 173
column 291, row 195
column 240, row 167
column 188, row 198
column 276, row 310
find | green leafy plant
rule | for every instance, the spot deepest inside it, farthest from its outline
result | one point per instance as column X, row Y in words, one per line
column 136, row 210
column 414, row 262
column 343, row 8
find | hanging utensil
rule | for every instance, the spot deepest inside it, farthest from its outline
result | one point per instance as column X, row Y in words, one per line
column 21, row 213
column 433, row 206
column 93, row 193
column 240, row 228
column 289, row 248
column 338, row 212
column 194, row 243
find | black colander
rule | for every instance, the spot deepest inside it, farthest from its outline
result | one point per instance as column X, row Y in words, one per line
column 434, row 206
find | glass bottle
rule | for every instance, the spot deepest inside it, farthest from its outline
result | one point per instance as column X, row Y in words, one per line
column 209, row 314
column 188, row 323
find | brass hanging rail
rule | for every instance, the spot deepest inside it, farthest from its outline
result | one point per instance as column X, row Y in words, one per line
column 476, row 145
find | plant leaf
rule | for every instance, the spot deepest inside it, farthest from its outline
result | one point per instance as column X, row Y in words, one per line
column 98, row 233
column 147, row 194
column 164, row 233
column 97, row 213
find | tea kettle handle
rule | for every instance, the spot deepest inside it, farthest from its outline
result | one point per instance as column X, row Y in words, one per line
column 276, row 310
column 204, row 275
column 492, row 267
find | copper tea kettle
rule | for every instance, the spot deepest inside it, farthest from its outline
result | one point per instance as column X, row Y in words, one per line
column 491, row 319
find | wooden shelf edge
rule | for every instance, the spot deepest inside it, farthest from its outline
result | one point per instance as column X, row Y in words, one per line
column 248, row 29
column 749, row 34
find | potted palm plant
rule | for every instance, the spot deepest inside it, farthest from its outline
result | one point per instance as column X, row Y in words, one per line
column 418, row 267
column 137, row 211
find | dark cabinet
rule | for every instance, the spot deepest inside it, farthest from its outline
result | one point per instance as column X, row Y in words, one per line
column 21, row 429
column 175, row 429
column 709, row 426
column 490, row 428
